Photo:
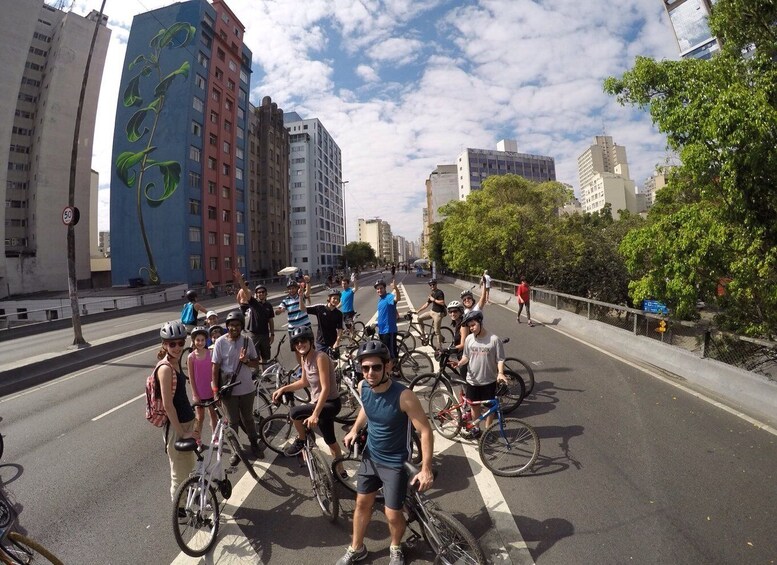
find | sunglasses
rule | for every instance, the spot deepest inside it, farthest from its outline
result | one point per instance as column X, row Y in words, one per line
column 367, row 368
column 180, row 343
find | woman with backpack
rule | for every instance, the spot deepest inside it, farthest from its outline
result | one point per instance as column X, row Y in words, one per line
column 181, row 423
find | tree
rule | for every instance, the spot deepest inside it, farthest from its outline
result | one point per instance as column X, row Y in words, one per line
column 435, row 246
column 717, row 219
column 358, row 254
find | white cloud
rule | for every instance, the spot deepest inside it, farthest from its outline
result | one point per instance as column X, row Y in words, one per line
column 482, row 71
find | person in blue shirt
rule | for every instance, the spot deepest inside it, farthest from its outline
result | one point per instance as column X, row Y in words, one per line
column 346, row 301
column 387, row 315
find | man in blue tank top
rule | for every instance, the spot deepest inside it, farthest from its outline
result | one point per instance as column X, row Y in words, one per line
column 389, row 409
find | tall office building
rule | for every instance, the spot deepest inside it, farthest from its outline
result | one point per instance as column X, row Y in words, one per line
column 604, row 177
column 44, row 57
column 316, row 178
column 268, row 190
column 475, row 165
column 691, row 28
column 652, row 185
column 442, row 186
column 378, row 234
column 178, row 200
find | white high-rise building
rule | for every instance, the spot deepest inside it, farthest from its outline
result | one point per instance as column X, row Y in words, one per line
column 44, row 52
column 377, row 233
column 604, row 177
column 316, row 195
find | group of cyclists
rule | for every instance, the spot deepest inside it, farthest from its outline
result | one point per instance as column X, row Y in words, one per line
column 390, row 408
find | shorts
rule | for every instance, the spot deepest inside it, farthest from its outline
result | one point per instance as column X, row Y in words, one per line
column 478, row 393
column 371, row 476
column 262, row 346
column 326, row 420
column 348, row 317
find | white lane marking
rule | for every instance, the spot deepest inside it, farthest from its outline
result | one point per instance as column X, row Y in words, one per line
column 232, row 545
column 749, row 419
column 122, row 405
column 74, row 375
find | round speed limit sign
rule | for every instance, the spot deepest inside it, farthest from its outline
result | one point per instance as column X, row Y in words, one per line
column 70, row 215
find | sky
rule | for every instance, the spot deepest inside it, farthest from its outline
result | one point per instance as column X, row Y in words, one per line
column 405, row 85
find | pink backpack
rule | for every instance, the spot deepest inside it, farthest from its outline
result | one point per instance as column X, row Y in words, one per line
column 155, row 410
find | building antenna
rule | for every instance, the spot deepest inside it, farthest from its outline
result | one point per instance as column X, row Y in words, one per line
column 604, row 129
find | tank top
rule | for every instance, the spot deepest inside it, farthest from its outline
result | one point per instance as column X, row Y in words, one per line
column 311, row 369
column 183, row 408
column 388, row 436
column 201, row 376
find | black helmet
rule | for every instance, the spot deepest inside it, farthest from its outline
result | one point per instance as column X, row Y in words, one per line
column 371, row 348
column 432, row 281
column 236, row 316
column 191, row 296
column 379, row 282
column 292, row 283
column 473, row 316
column 260, row 287
column 214, row 328
column 173, row 330
column 303, row 333
column 199, row 330
column 466, row 293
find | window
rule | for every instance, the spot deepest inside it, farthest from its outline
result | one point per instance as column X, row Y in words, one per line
column 219, row 74
column 198, row 104
column 225, row 214
column 202, row 59
column 231, row 84
column 243, row 76
column 240, row 132
column 239, row 152
column 206, row 41
column 195, row 262
column 212, row 213
column 238, row 173
column 227, row 262
column 232, row 66
column 199, row 80
column 194, row 206
column 242, row 95
column 194, row 180
column 227, row 125
column 214, row 117
column 299, row 209
column 228, row 105
column 21, row 313
column 240, row 239
column 214, row 263
column 194, row 153
column 225, row 169
column 212, row 240
column 212, row 139
column 225, row 192
column 240, row 116
column 220, row 54
column 211, row 187
column 211, row 163
column 239, row 217
column 196, row 129
column 226, row 146
column 300, row 222
column 195, row 234
column 227, row 239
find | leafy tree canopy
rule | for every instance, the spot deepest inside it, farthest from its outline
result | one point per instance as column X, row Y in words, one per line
column 358, row 254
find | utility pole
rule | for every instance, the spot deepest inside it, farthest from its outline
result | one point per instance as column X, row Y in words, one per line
column 72, row 281
column 345, row 224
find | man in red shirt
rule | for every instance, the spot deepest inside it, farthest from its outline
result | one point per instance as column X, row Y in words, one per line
column 523, row 295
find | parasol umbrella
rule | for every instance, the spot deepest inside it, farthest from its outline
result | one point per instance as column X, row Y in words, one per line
column 287, row 271
column 420, row 262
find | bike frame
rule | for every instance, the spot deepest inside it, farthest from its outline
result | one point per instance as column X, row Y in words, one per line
column 465, row 402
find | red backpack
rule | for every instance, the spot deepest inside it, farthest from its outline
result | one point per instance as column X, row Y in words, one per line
column 155, row 410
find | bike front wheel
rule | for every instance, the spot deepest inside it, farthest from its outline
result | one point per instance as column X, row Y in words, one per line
column 509, row 447
column 324, row 487
column 516, row 391
column 523, row 369
column 445, row 413
column 446, row 334
column 237, row 448
column 414, row 363
column 277, row 431
column 451, row 542
column 25, row 550
column 195, row 517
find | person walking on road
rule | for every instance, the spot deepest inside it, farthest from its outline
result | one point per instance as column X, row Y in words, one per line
column 523, row 296
column 387, row 315
column 181, row 423
column 389, row 409
column 485, row 282
column 233, row 358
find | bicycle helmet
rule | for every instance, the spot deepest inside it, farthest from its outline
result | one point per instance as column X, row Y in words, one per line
column 334, row 292
column 372, row 348
column 467, row 294
column 191, row 296
column 260, row 287
column 474, row 316
column 199, row 330
column 379, row 282
column 303, row 333
column 432, row 281
column 173, row 330
column 214, row 328
column 236, row 316
column 292, row 283
column 455, row 305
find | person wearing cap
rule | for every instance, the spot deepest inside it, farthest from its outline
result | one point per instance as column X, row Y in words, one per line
column 484, row 358
column 330, row 320
column 259, row 314
column 387, row 315
column 211, row 319
column 436, row 300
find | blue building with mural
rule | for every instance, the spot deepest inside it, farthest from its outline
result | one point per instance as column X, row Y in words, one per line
column 178, row 197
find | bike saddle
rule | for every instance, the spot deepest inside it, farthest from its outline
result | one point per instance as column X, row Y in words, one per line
column 188, row 444
column 413, row 470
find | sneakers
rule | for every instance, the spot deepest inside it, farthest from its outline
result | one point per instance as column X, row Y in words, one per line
column 353, row 555
column 234, row 460
column 471, row 434
column 518, row 319
column 256, row 450
column 531, row 324
column 396, row 557
column 295, row 447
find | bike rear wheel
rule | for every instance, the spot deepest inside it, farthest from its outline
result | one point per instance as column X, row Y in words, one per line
column 349, row 407
column 24, row 550
column 195, row 533
column 406, row 339
column 357, row 331
column 456, row 544
column 424, row 385
column 277, row 432
column 324, row 487
column 509, row 448
column 447, row 336
column 516, row 392
column 413, row 364
column 445, row 413
column 237, row 448
column 263, row 407
column 350, row 466
column 522, row 368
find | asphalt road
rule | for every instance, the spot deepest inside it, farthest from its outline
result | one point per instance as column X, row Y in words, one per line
column 631, row 469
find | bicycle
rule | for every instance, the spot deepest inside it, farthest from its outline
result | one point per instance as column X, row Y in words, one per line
column 277, row 432
column 196, row 515
column 424, row 385
column 275, row 374
column 450, row 541
column 16, row 548
column 430, row 339
column 354, row 329
column 508, row 439
column 522, row 368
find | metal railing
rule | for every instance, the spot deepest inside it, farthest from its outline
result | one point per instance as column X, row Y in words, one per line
column 701, row 338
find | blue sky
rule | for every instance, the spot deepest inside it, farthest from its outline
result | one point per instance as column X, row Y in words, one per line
column 405, row 85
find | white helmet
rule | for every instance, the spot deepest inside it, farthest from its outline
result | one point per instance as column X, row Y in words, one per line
column 173, row 330
column 456, row 305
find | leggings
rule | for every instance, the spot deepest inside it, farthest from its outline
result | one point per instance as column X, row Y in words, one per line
column 326, row 420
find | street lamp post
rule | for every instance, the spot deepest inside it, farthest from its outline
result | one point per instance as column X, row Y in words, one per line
column 345, row 224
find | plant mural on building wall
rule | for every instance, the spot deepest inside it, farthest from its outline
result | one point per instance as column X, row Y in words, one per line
column 135, row 167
